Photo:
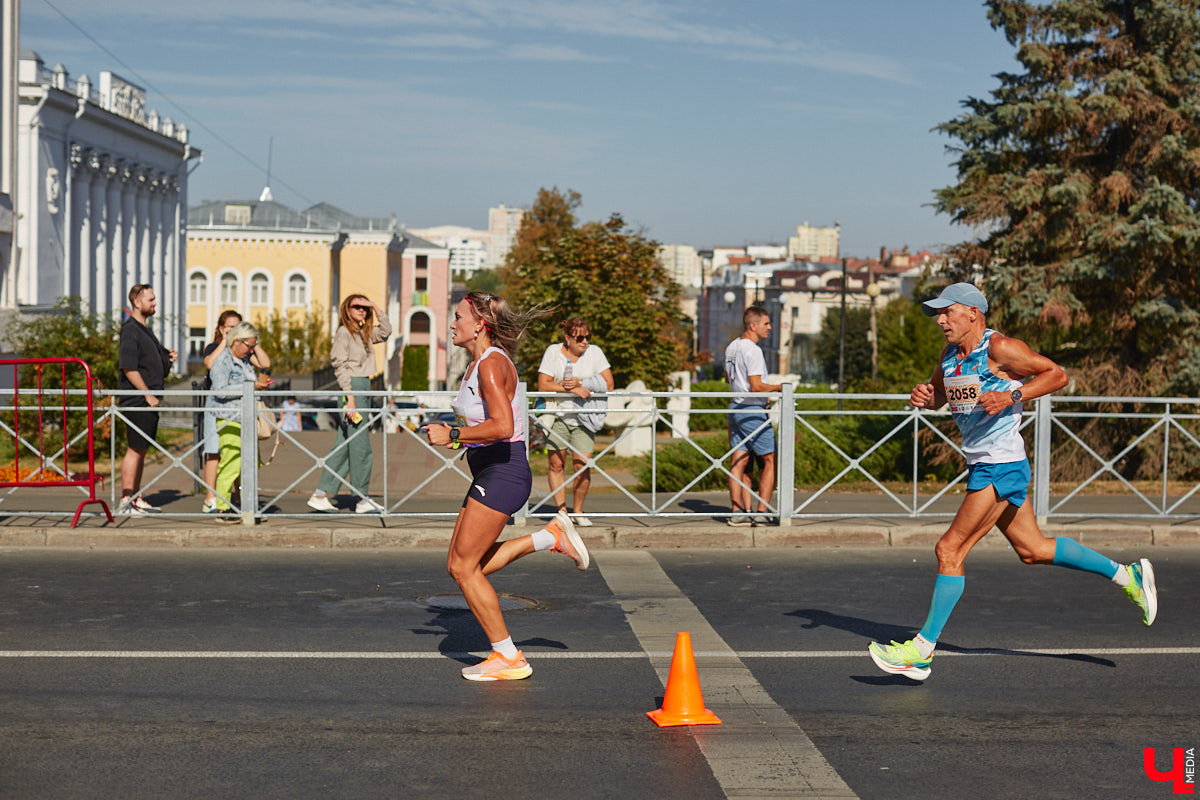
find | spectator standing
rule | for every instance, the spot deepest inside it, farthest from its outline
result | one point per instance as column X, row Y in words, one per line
column 749, row 428
column 581, row 371
column 143, row 363
column 230, row 372
column 259, row 359
column 363, row 325
column 289, row 415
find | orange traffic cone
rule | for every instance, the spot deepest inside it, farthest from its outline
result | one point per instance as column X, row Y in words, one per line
column 683, row 704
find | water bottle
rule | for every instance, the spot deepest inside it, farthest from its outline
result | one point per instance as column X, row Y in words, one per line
column 568, row 371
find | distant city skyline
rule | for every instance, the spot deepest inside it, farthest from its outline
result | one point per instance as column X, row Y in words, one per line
column 702, row 123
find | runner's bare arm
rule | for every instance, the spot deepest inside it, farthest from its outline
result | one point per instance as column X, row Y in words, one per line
column 1013, row 359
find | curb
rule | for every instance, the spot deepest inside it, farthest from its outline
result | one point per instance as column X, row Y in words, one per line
column 600, row 537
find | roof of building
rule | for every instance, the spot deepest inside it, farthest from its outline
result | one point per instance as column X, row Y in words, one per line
column 270, row 214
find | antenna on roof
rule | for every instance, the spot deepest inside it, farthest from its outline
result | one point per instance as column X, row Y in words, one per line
column 266, row 197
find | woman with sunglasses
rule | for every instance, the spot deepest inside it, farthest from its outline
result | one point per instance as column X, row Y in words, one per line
column 582, row 373
column 490, row 424
column 363, row 325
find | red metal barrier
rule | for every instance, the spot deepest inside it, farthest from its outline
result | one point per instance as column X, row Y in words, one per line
column 40, row 476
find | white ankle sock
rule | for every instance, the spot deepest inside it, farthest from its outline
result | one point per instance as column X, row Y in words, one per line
column 506, row 648
column 924, row 646
column 543, row 539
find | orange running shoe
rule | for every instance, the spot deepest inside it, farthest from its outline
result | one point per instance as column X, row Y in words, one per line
column 567, row 541
column 499, row 668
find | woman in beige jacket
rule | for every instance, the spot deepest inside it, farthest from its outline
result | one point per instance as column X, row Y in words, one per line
column 363, row 325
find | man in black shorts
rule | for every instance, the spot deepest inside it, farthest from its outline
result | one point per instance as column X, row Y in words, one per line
column 143, row 363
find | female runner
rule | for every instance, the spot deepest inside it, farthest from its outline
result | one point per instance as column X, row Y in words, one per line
column 491, row 425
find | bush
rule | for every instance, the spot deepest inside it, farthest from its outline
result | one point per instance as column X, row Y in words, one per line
column 709, row 422
column 414, row 370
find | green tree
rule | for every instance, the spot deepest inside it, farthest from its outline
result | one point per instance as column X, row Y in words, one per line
column 69, row 330
column 1083, row 171
column 414, row 371
column 857, row 362
column 296, row 343
column 910, row 345
column 605, row 273
column 486, row 280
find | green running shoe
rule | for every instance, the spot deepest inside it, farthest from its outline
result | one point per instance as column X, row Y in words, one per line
column 1142, row 591
column 900, row 659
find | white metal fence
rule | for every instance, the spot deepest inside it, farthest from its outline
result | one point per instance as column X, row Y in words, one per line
column 655, row 431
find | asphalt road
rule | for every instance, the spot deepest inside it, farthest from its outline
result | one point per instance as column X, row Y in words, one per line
column 272, row 673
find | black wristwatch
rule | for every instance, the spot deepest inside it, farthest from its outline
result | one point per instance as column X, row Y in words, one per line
column 1016, row 395
column 454, row 434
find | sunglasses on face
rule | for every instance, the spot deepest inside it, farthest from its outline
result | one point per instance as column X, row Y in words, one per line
column 583, row 337
column 361, row 308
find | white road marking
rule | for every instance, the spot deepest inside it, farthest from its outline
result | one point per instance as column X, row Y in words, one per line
column 403, row 655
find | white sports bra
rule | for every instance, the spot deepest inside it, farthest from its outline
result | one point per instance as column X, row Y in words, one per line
column 471, row 409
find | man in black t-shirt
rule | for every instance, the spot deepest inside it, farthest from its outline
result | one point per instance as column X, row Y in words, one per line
column 143, row 363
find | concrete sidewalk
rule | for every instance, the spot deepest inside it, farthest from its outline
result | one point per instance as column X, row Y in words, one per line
column 48, row 524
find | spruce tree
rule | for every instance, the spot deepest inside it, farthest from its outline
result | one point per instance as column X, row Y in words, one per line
column 1082, row 171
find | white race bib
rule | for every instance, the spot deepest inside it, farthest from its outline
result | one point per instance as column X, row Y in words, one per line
column 962, row 392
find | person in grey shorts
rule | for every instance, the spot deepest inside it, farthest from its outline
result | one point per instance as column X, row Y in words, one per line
column 581, row 372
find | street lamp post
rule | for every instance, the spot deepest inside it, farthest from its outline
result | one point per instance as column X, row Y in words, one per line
column 842, row 342
column 873, row 290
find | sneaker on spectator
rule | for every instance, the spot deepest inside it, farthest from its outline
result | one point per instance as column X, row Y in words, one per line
column 144, row 506
column 581, row 521
column 739, row 520
column 321, row 503
column 210, row 506
column 130, row 509
column 367, row 506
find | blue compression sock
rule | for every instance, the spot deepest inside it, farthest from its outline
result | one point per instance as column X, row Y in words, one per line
column 946, row 591
column 1072, row 555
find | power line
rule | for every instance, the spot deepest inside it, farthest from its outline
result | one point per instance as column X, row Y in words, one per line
column 180, row 108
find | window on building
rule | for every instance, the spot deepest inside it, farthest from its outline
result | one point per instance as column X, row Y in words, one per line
column 197, row 289
column 419, row 323
column 230, row 290
column 197, row 339
column 422, row 262
column 422, row 283
column 297, row 291
column 260, row 294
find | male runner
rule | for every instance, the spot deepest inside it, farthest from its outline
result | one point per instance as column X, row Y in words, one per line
column 981, row 378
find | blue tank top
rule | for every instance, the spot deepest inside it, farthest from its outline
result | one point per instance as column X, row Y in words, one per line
column 986, row 439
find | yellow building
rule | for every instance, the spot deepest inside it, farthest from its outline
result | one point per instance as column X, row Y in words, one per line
column 258, row 256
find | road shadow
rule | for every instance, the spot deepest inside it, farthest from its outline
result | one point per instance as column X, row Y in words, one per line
column 461, row 636
column 699, row 505
column 884, row 632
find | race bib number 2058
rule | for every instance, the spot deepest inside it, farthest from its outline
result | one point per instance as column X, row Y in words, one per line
column 962, row 392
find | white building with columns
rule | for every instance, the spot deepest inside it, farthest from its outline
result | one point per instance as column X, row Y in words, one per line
column 102, row 197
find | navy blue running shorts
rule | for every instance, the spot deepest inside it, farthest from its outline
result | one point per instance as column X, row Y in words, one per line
column 500, row 476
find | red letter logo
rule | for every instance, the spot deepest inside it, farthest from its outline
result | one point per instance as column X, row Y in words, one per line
column 1176, row 775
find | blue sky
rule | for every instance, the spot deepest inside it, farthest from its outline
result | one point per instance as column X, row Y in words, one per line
column 702, row 122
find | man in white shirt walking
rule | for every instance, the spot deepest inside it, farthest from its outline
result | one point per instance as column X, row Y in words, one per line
column 749, row 428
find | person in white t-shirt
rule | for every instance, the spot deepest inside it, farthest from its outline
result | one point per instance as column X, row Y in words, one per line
column 573, row 432
column 749, row 427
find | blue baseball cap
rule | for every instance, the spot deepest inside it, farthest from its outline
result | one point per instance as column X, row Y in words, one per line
column 964, row 293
